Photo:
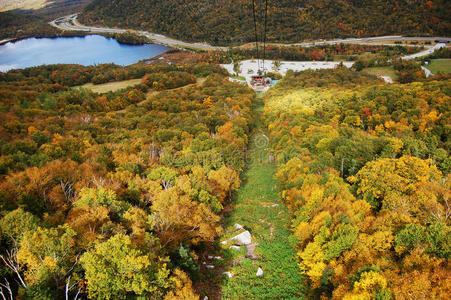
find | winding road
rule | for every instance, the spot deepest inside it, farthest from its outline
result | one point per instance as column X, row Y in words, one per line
column 71, row 23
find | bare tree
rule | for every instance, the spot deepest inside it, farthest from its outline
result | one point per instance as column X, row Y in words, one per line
column 69, row 287
column 11, row 262
column 153, row 152
column 68, row 190
column 442, row 214
column 7, row 286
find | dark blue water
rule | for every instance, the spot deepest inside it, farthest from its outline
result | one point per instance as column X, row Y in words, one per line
column 89, row 50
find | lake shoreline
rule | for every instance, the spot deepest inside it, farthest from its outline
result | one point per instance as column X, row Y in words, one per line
column 11, row 40
column 90, row 49
column 70, row 34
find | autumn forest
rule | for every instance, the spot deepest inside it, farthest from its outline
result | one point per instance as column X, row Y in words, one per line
column 230, row 22
column 93, row 184
column 364, row 169
column 174, row 178
column 114, row 194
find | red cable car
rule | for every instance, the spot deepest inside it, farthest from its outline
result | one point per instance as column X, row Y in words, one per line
column 259, row 80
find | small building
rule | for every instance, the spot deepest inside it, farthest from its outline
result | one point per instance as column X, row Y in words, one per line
column 260, row 81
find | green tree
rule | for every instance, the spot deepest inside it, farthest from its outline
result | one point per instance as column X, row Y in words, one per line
column 276, row 65
column 16, row 223
column 92, row 197
column 115, row 268
column 47, row 254
column 164, row 175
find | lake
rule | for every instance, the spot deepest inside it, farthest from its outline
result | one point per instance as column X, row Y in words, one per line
column 88, row 50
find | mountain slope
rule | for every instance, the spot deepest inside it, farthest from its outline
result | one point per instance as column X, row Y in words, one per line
column 227, row 21
column 16, row 25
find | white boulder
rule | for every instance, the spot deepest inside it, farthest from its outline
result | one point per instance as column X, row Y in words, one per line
column 214, row 257
column 244, row 238
column 237, row 227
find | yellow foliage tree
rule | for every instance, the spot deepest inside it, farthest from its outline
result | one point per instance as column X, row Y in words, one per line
column 182, row 287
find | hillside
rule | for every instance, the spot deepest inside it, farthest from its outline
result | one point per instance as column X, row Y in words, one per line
column 15, row 25
column 364, row 169
column 12, row 20
column 227, row 21
column 132, row 180
column 168, row 181
column 343, row 182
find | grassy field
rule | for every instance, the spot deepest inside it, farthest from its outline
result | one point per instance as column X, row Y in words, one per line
column 440, row 65
column 111, row 86
column 268, row 224
column 382, row 71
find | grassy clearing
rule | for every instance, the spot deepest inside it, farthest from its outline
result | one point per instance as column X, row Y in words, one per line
column 111, row 86
column 253, row 209
column 382, row 71
column 440, row 65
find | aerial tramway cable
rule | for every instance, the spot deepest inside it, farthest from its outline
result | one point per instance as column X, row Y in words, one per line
column 264, row 39
column 261, row 67
column 256, row 33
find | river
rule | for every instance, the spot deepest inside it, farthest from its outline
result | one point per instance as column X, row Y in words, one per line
column 88, row 50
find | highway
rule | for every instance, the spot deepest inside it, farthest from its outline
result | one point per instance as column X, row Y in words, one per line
column 426, row 52
column 379, row 39
column 71, row 23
